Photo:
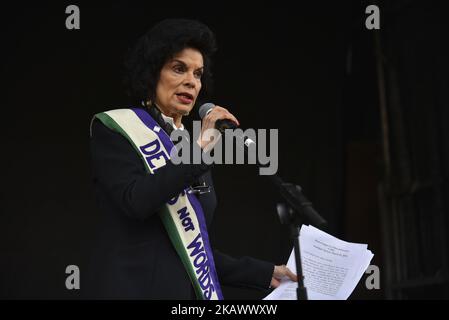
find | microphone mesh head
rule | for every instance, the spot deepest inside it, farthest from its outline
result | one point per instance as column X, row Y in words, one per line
column 205, row 108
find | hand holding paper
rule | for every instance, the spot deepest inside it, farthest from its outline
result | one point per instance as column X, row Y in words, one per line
column 332, row 267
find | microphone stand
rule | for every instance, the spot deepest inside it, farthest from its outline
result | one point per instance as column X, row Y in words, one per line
column 294, row 213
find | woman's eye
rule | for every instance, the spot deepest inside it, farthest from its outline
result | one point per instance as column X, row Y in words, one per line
column 178, row 69
column 198, row 74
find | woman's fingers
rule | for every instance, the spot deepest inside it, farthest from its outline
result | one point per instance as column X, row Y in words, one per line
column 227, row 115
column 218, row 113
column 210, row 120
column 274, row 283
column 291, row 275
column 282, row 271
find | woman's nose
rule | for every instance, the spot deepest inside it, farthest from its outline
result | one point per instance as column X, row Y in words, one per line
column 190, row 80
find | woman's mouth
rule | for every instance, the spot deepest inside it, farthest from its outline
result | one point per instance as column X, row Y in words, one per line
column 185, row 98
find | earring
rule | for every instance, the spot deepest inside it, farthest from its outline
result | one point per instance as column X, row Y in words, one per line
column 146, row 103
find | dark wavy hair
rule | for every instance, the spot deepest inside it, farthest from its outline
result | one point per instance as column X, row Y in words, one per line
column 143, row 62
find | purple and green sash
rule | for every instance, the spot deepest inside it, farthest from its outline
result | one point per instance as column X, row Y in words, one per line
column 182, row 216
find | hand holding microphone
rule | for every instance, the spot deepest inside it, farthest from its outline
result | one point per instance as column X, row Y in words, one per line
column 214, row 117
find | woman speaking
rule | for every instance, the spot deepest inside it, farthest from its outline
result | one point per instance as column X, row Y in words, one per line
column 153, row 241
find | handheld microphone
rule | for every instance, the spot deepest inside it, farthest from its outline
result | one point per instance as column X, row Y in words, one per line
column 223, row 124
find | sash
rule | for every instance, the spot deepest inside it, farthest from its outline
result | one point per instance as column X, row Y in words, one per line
column 182, row 216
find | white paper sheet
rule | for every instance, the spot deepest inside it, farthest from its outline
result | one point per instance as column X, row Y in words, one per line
column 331, row 267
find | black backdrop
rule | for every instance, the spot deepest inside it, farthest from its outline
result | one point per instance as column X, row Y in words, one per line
column 306, row 69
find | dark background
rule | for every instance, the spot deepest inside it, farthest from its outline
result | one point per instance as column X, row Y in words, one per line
column 313, row 71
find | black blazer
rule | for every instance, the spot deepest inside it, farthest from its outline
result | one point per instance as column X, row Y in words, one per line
column 133, row 256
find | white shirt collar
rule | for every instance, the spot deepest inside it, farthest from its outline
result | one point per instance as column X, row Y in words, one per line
column 170, row 121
